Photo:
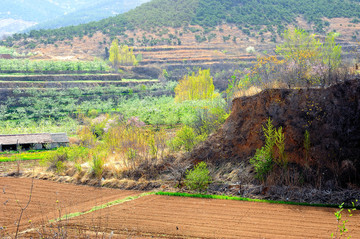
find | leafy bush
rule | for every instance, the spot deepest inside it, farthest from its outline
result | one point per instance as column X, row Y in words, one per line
column 186, row 139
column 74, row 153
column 264, row 158
column 198, row 179
column 209, row 118
column 262, row 163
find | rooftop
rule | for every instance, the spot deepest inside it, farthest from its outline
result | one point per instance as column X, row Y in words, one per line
column 33, row 138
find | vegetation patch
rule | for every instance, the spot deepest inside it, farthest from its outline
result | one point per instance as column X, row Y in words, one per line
column 109, row 204
column 24, row 156
column 178, row 194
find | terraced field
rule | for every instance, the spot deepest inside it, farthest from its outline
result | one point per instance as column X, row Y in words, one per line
column 152, row 216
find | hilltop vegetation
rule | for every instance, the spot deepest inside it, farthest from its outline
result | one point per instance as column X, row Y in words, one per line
column 206, row 13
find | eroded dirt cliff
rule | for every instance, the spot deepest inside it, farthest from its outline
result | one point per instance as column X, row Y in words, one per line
column 331, row 116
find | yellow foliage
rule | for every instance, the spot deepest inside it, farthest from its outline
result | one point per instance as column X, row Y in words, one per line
column 135, row 144
column 121, row 56
column 195, row 87
column 253, row 90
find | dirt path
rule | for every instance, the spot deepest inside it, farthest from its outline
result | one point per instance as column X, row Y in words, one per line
column 49, row 199
column 174, row 217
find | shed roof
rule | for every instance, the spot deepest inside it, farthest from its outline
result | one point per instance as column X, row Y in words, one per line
column 33, row 138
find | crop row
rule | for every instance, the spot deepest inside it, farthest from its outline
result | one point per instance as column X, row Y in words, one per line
column 25, row 65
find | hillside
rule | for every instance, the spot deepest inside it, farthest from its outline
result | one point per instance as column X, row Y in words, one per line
column 46, row 14
column 90, row 11
column 330, row 116
column 195, row 32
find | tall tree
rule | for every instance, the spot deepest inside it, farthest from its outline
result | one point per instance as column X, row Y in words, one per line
column 331, row 55
column 114, row 57
column 301, row 49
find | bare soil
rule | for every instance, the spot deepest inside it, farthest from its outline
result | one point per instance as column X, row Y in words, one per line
column 48, row 201
column 160, row 216
column 174, row 217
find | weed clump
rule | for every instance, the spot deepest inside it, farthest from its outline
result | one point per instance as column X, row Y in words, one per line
column 264, row 158
column 198, row 179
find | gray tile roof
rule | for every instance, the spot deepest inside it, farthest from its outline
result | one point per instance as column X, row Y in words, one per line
column 33, row 138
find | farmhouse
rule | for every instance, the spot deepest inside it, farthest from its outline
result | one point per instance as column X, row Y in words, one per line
column 33, row 141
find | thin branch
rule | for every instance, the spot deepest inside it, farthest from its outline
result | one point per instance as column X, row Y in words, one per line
column 24, row 208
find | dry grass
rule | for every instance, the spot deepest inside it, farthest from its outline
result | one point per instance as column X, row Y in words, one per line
column 253, row 90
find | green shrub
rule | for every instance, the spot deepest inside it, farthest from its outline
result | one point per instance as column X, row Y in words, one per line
column 307, row 145
column 263, row 158
column 186, row 139
column 262, row 163
column 280, row 144
column 198, row 179
column 74, row 153
column 60, row 167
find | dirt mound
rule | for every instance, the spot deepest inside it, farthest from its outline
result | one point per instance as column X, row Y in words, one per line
column 331, row 116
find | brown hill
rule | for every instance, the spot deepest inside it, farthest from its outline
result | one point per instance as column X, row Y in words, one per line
column 332, row 117
column 225, row 43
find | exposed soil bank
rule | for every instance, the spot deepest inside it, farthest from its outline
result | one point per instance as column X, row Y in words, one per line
column 331, row 116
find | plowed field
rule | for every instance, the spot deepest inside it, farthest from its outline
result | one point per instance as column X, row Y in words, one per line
column 49, row 199
column 174, row 217
column 161, row 216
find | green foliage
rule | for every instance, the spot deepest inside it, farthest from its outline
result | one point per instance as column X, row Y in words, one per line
column 262, row 163
column 60, row 167
column 76, row 154
column 210, row 117
column 342, row 223
column 114, row 57
column 6, row 50
column 28, row 105
column 280, row 144
column 186, row 139
column 15, row 156
column 206, row 13
column 121, row 56
column 301, row 60
column 222, row 197
column 264, row 158
column 195, row 87
column 21, row 65
column 301, row 49
column 198, row 179
column 307, row 145
column 97, row 165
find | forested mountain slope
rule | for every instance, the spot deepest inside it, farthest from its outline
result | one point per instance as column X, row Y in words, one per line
column 209, row 13
column 183, row 31
column 58, row 13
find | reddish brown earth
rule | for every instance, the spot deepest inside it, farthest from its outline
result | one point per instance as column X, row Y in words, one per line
column 47, row 198
column 217, row 50
column 161, row 216
column 175, row 217
column 331, row 116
